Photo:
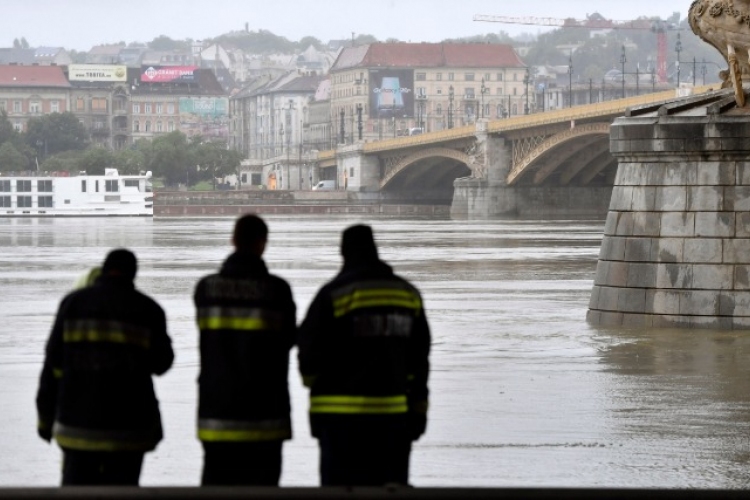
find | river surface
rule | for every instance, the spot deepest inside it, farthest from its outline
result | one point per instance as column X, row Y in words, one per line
column 524, row 392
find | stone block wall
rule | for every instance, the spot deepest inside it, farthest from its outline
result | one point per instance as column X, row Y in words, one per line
column 676, row 246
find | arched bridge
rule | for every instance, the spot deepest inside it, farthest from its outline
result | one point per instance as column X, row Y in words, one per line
column 538, row 155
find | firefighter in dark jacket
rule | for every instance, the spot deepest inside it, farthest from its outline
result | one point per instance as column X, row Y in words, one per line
column 247, row 326
column 363, row 352
column 96, row 395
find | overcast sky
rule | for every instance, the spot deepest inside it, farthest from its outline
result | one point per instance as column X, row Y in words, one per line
column 80, row 24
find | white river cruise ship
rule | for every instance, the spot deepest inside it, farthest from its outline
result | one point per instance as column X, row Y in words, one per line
column 60, row 194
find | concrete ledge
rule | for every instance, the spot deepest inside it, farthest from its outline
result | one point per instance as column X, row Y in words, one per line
column 114, row 493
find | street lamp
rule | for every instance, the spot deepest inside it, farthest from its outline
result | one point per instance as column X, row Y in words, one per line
column 570, row 80
column 526, row 80
column 450, row 106
column 482, row 90
column 623, row 60
column 703, row 70
column 678, row 49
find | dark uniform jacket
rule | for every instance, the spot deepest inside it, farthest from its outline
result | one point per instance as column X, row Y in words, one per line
column 96, row 391
column 363, row 349
column 247, row 322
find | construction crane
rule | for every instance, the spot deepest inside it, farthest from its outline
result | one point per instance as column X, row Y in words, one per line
column 596, row 22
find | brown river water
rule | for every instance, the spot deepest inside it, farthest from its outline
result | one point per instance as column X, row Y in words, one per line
column 524, row 392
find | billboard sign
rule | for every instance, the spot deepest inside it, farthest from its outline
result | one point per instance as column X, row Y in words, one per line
column 391, row 93
column 206, row 116
column 173, row 74
column 97, row 73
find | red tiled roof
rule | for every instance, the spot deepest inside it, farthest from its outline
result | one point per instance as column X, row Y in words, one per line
column 32, row 76
column 431, row 55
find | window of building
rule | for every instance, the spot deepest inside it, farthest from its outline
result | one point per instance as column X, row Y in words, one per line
column 44, row 202
column 170, row 109
column 515, row 91
column 421, row 92
column 98, row 125
column 136, row 126
column 420, row 77
column 80, row 104
column 439, row 91
column 170, row 126
column 439, row 109
column 54, row 106
column 515, row 77
column 3, row 105
column 98, row 104
column 23, row 201
column 450, row 76
column 499, row 91
column 500, row 111
column 35, row 107
column 499, row 77
column 136, row 108
column 148, row 126
column 469, row 93
column 44, row 186
column 5, row 201
column 5, row 186
column 158, row 109
column 469, row 77
column 111, row 186
column 147, row 108
column 16, row 106
column 23, row 186
column 18, row 126
column 159, row 127
column 487, row 77
column 438, row 76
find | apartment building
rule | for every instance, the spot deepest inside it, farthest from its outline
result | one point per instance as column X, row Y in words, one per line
column 30, row 91
column 432, row 86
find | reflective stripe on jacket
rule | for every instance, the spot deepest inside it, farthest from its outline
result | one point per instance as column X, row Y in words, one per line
column 211, row 429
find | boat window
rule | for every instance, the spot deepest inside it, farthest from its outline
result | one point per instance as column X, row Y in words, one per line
column 111, row 186
column 132, row 183
column 23, row 201
column 44, row 186
column 44, row 201
column 5, row 186
column 5, row 201
column 83, row 186
column 96, row 186
column 23, row 186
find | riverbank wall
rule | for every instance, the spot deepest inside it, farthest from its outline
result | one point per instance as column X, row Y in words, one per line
column 233, row 203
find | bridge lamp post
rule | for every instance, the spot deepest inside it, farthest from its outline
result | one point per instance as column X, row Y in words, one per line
column 570, row 80
column 483, row 90
column 703, row 70
column 653, row 78
column 526, row 80
column 678, row 49
column 623, row 60
column 450, row 106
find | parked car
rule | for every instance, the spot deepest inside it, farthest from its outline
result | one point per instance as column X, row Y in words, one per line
column 325, row 186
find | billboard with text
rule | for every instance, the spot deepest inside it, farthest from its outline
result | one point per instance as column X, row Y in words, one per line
column 206, row 116
column 97, row 72
column 173, row 74
column 391, row 93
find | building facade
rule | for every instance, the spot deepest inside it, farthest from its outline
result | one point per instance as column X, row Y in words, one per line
column 31, row 91
column 397, row 87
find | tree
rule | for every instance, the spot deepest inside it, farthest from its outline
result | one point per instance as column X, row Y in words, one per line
column 306, row 41
column 214, row 160
column 94, row 160
column 129, row 161
column 7, row 132
column 163, row 42
column 11, row 160
column 55, row 133
column 172, row 160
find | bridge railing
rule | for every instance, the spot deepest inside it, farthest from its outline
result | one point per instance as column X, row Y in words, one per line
column 614, row 107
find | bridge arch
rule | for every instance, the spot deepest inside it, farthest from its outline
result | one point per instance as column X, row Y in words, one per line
column 576, row 133
column 399, row 164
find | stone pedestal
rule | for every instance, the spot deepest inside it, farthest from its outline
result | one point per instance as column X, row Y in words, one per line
column 676, row 247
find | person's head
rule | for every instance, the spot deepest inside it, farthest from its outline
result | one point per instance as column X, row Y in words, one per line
column 250, row 234
column 358, row 244
column 120, row 263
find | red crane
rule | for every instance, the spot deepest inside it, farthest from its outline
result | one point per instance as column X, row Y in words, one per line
column 596, row 22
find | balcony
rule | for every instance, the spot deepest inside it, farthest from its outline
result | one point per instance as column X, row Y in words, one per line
column 99, row 131
column 470, row 97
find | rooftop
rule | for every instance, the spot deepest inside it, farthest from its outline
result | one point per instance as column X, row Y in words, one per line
column 32, row 76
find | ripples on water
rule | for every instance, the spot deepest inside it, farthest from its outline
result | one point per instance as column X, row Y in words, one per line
column 524, row 392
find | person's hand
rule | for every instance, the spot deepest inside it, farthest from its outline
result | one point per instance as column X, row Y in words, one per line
column 45, row 433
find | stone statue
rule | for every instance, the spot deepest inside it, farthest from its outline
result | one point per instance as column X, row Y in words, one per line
column 725, row 24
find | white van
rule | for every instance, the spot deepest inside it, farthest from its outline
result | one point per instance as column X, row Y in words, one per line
column 415, row 131
column 325, row 186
